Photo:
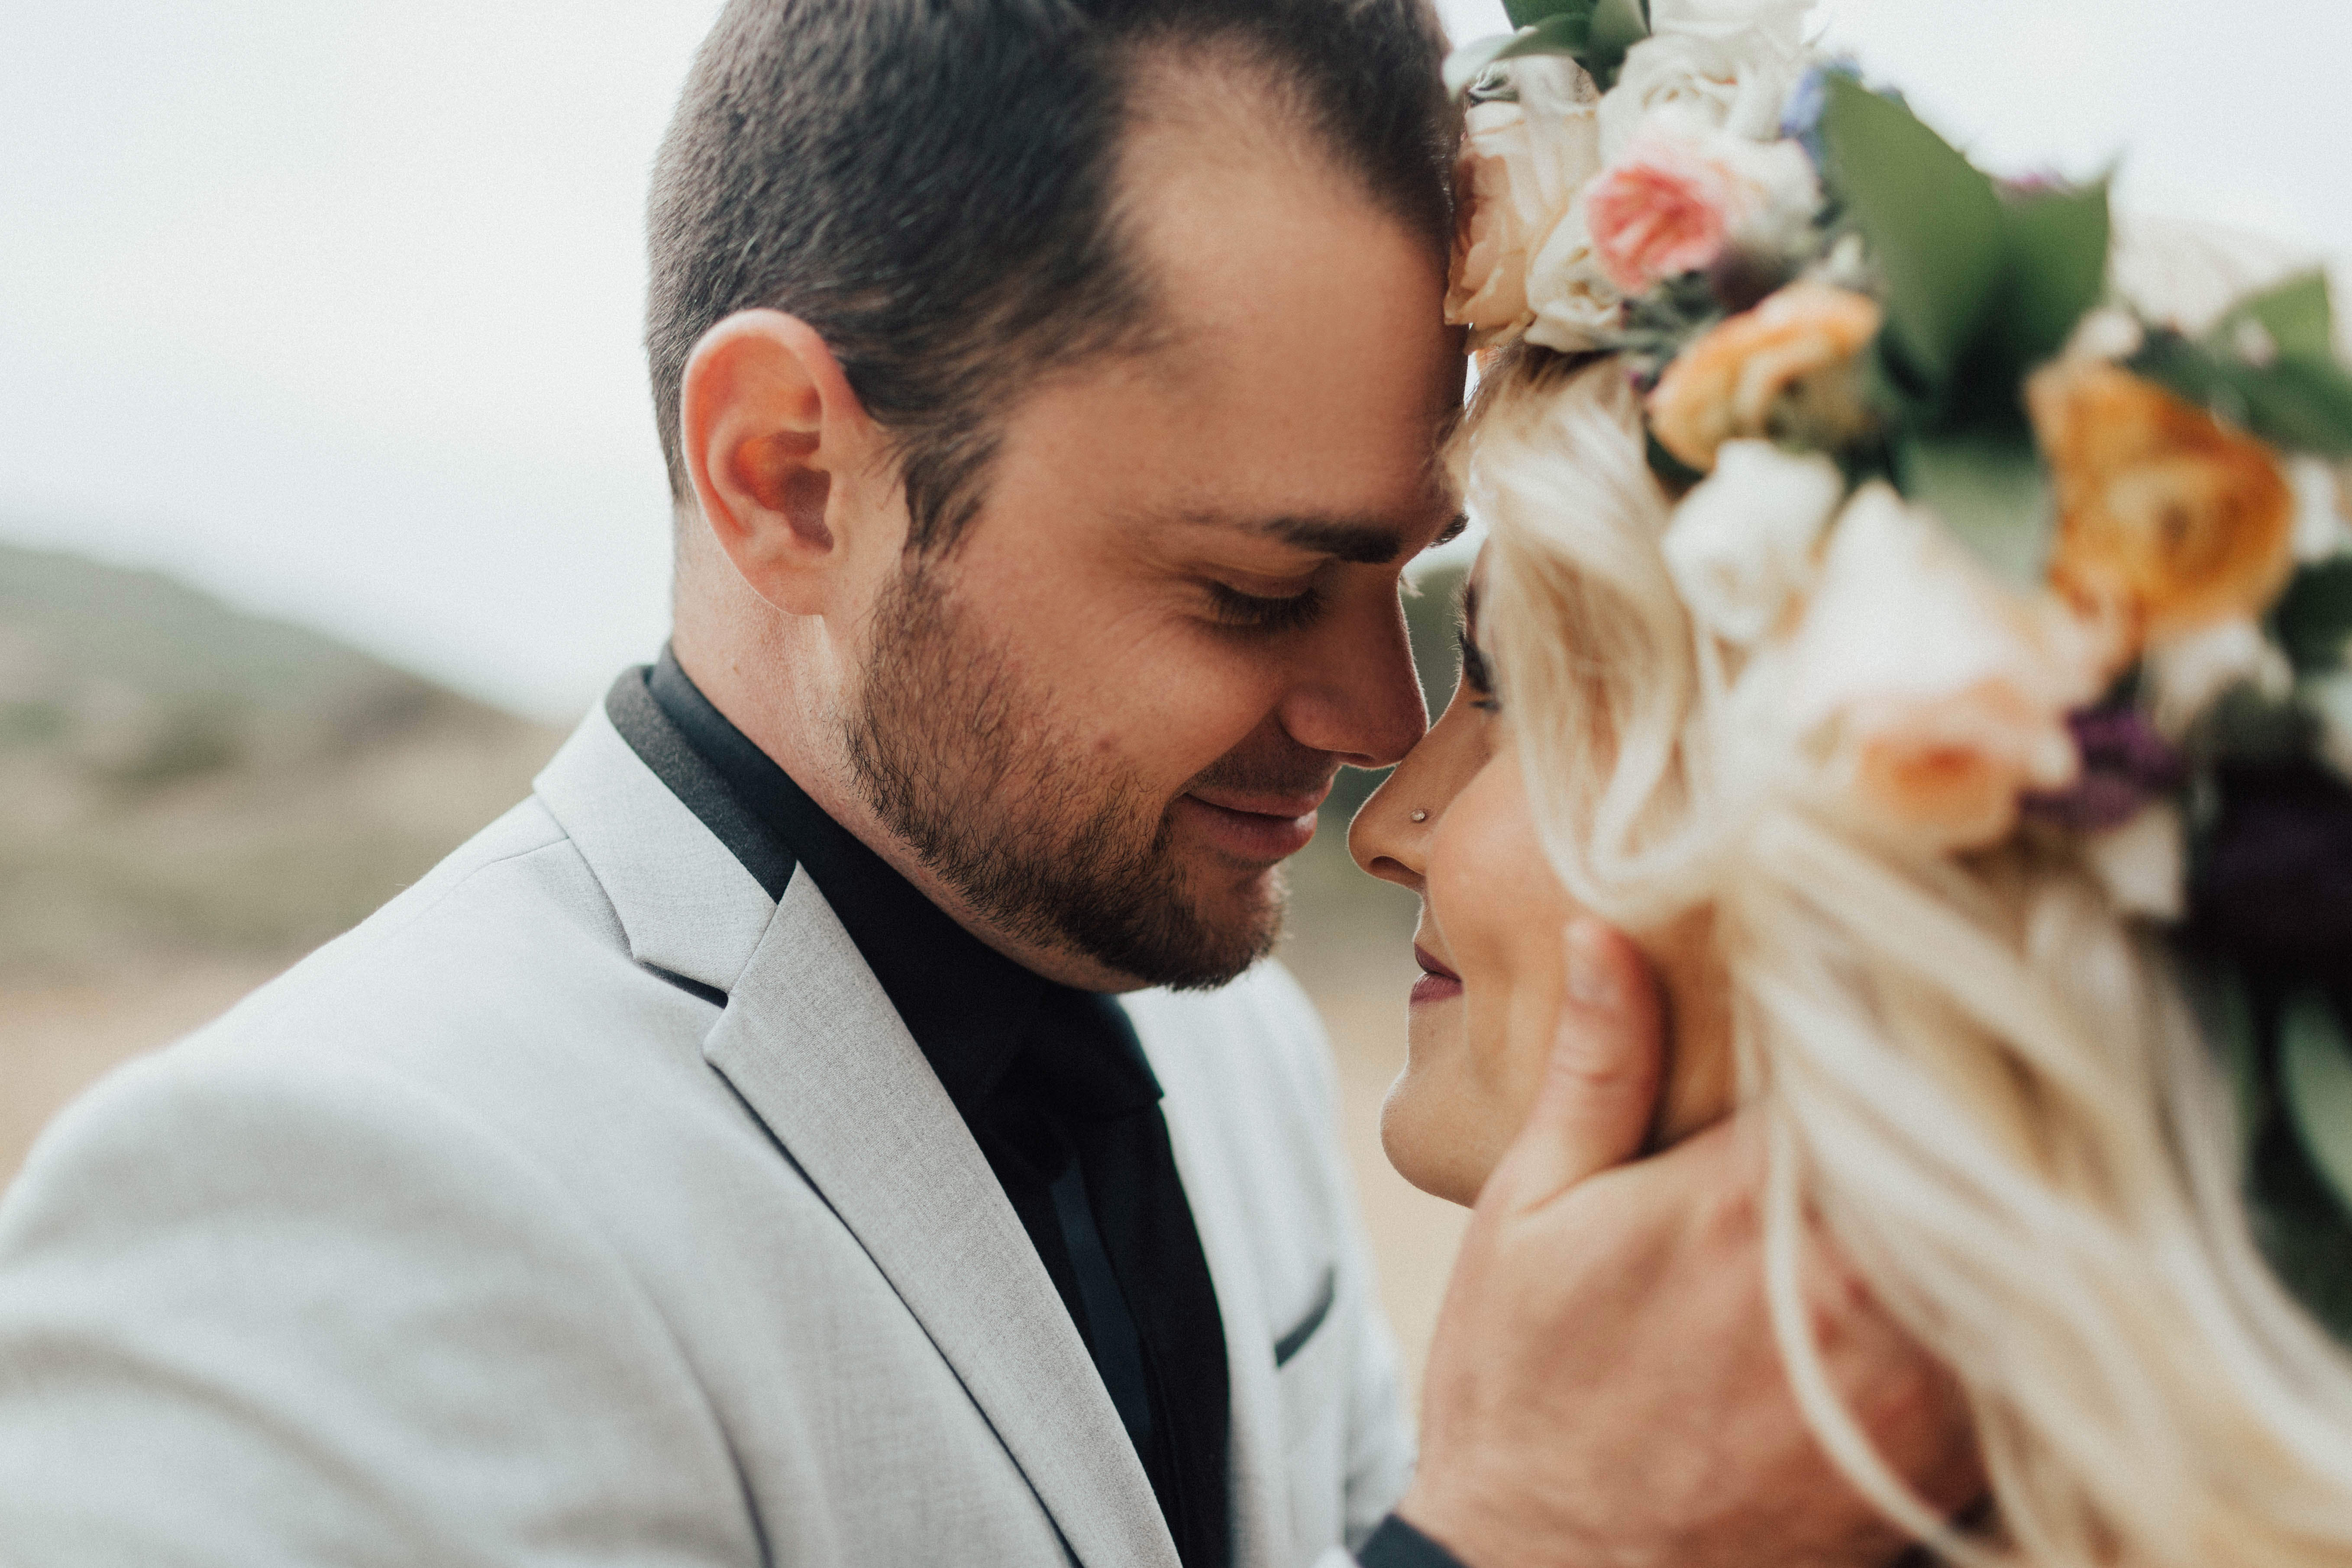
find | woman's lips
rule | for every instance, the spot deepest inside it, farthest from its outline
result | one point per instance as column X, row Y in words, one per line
column 1437, row 982
column 1258, row 830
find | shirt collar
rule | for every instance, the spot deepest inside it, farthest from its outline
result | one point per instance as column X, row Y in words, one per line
column 969, row 1008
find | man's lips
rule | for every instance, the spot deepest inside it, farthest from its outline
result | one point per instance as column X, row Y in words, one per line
column 1255, row 826
column 1437, row 982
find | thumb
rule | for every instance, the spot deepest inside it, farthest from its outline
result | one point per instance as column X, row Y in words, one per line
column 1599, row 1089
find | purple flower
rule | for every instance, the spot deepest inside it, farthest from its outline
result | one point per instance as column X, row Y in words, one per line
column 2125, row 765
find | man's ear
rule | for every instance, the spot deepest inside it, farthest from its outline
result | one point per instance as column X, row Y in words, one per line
column 773, row 436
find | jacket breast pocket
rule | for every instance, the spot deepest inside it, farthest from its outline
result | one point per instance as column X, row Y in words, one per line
column 1310, row 1356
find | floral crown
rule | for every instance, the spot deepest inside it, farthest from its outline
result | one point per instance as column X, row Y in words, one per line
column 2000, row 554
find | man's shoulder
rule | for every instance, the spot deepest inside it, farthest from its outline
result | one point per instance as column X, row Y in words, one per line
column 513, row 918
column 500, row 988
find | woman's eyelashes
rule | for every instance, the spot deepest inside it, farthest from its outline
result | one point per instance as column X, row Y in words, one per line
column 1475, row 677
column 1259, row 613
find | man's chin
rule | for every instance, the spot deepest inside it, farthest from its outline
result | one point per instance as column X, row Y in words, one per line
column 1240, row 917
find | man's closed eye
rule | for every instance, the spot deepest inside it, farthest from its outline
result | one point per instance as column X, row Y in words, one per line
column 1259, row 613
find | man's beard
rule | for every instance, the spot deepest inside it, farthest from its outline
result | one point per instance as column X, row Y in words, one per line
column 1054, row 845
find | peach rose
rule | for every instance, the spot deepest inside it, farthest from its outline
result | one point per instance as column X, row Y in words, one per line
column 1682, row 193
column 1942, row 695
column 1948, row 771
column 2161, row 507
column 1664, row 212
column 1732, row 382
column 1522, row 166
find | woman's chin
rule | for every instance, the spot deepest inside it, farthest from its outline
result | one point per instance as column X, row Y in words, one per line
column 1433, row 1149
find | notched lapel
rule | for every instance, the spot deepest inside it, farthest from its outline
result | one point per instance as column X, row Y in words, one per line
column 685, row 903
column 813, row 1047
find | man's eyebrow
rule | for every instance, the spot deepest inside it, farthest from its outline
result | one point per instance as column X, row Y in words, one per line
column 1357, row 544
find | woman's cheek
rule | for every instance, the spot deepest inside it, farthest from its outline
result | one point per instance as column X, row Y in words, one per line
column 1502, row 911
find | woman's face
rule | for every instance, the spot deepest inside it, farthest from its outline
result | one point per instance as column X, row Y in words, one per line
column 1489, row 938
column 1491, row 942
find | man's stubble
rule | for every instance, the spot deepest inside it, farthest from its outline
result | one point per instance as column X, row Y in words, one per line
column 1049, row 839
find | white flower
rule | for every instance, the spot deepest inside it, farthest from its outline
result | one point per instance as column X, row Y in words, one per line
column 1740, row 547
column 1523, row 165
column 2108, row 332
column 1941, row 695
column 1902, row 609
column 1574, row 303
column 2319, row 530
column 2185, row 674
column 2144, row 863
column 1730, row 62
column 1788, row 193
column 1778, row 25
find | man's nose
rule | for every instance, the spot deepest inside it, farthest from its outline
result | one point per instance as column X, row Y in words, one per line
column 1356, row 695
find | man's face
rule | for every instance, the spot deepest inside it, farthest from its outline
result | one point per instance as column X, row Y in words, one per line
column 1110, row 713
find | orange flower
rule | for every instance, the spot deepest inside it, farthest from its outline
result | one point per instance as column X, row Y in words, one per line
column 1735, row 381
column 2163, row 511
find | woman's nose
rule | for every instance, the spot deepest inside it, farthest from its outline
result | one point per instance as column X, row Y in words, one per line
column 1389, row 836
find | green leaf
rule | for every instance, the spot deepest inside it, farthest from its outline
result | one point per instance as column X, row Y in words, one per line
column 1534, row 13
column 1617, row 26
column 2314, row 616
column 1595, row 33
column 2055, row 269
column 1933, row 224
column 1990, row 490
column 2315, row 1070
column 2225, row 1015
column 2297, row 317
column 1566, row 34
column 2300, row 405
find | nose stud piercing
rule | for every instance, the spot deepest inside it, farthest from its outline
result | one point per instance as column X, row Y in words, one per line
column 1421, row 816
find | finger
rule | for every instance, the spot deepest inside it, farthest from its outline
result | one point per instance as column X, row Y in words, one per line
column 1599, row 1088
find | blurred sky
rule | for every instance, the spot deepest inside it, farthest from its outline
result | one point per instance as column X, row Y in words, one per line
column 331, row 306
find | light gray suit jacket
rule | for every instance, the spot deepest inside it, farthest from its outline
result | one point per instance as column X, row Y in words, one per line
column 485, row 1237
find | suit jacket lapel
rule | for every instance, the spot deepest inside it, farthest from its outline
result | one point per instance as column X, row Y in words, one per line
column 686, row 904
column 813, row 1044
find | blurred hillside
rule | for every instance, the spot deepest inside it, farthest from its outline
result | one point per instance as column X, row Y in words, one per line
column 184, row 780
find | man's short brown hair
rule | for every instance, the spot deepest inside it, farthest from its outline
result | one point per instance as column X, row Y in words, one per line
column 930, row 185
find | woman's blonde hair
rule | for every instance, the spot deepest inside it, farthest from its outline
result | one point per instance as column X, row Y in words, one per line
column 1978, row 1075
